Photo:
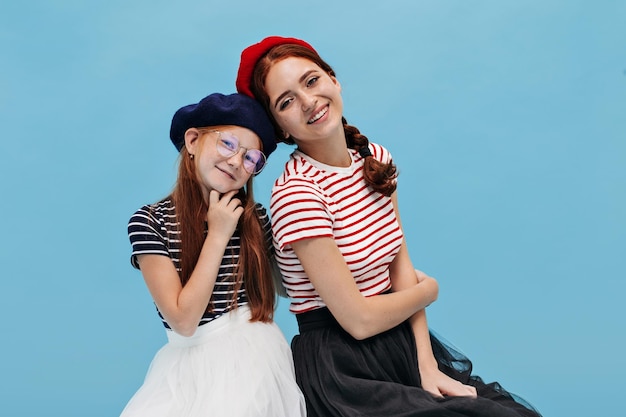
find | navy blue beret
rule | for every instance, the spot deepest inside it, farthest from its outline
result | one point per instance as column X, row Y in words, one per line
column 219, row 109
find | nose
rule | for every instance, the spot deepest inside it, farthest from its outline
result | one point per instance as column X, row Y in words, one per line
column 308, row 102
column 237, row 158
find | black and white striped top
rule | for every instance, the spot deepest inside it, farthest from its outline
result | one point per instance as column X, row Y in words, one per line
column 153, row 229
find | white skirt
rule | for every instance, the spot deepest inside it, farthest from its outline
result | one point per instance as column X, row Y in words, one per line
column 229, row 367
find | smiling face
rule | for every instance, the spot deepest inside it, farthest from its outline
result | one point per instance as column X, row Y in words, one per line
column 304, row 100
column 213, row 170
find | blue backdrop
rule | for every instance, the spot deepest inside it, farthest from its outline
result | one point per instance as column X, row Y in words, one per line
column 506, row 120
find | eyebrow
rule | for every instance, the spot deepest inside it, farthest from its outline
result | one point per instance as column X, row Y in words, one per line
column 302, row 78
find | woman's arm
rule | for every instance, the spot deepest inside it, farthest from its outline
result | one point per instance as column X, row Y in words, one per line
column 360, row 316
column 404, row 275
column 183, row 307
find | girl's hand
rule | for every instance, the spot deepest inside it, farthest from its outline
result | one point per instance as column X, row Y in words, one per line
column 223, row 214
column 439, row 384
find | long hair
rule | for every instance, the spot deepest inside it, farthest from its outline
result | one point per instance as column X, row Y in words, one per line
column 378, row 175
column 254, row 257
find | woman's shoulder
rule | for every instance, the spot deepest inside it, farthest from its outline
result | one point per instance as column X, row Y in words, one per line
column 380, row 152
column 295, row 184
column 299, row 170
column 302, row 168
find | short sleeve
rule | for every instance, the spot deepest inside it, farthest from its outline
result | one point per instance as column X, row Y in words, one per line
column 299, row 210
column 145, row 235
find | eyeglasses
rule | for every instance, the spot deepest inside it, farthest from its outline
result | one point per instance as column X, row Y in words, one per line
column 228, row 145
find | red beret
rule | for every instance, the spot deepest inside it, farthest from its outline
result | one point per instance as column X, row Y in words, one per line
column 251, row 55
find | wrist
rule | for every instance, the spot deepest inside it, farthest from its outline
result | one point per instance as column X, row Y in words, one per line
column 216, row 240
column 427, row 363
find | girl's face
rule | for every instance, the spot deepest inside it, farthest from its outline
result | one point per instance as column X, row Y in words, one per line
column 224, row 156
column 305, row 100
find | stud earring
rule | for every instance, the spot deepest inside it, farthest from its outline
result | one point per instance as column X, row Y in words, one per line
column 191, row 156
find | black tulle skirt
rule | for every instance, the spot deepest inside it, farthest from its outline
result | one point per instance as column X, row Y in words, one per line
column 378, row 377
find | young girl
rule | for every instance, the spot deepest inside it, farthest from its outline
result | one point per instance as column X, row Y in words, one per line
column 364, row 347
column 206, row 256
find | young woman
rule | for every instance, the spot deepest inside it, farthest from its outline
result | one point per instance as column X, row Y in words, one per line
column 206, row 256
column 364, row 347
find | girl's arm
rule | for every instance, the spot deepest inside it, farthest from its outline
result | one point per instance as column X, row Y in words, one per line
column 183, row 307
column 403, row 275
column 360, row 316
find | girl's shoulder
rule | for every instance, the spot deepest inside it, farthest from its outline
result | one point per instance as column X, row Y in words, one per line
column 160, row 212
column 260, row 210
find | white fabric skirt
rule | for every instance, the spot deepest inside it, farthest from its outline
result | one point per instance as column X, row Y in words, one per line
column 229, row 367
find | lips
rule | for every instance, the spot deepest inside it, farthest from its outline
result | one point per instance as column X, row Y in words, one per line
column 318, row 115
column 232, row 177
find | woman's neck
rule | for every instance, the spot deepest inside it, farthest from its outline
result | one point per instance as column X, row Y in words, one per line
column 331, row 151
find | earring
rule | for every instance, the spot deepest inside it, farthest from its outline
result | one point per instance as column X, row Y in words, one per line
column 191, row 156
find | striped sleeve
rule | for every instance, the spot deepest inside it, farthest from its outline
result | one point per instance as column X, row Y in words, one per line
column 380, row 152
column 145, row 237
column 299, row 210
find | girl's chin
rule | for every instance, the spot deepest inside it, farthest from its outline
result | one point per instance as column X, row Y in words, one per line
column 223, row 188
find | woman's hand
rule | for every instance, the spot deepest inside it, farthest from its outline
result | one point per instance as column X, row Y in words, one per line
column 439, row 384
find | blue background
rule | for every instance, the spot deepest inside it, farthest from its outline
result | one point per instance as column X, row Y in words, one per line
column 506, row 120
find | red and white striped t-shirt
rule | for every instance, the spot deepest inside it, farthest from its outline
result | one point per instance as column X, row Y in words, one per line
column 312, row 200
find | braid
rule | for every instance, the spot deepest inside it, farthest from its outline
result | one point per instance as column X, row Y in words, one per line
column 379, row 175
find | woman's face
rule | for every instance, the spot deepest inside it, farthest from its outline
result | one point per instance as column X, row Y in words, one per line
column 305, row 100
column 214, row 170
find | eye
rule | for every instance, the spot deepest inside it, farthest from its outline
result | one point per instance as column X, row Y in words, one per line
column 253, row 156
column 311, row 81
column 250, row 158
column 254, row 161
column 230, row 142
column 285, row 103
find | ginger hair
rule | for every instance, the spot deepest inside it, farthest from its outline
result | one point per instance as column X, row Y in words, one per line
column 254, row 257
column 379, row 175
